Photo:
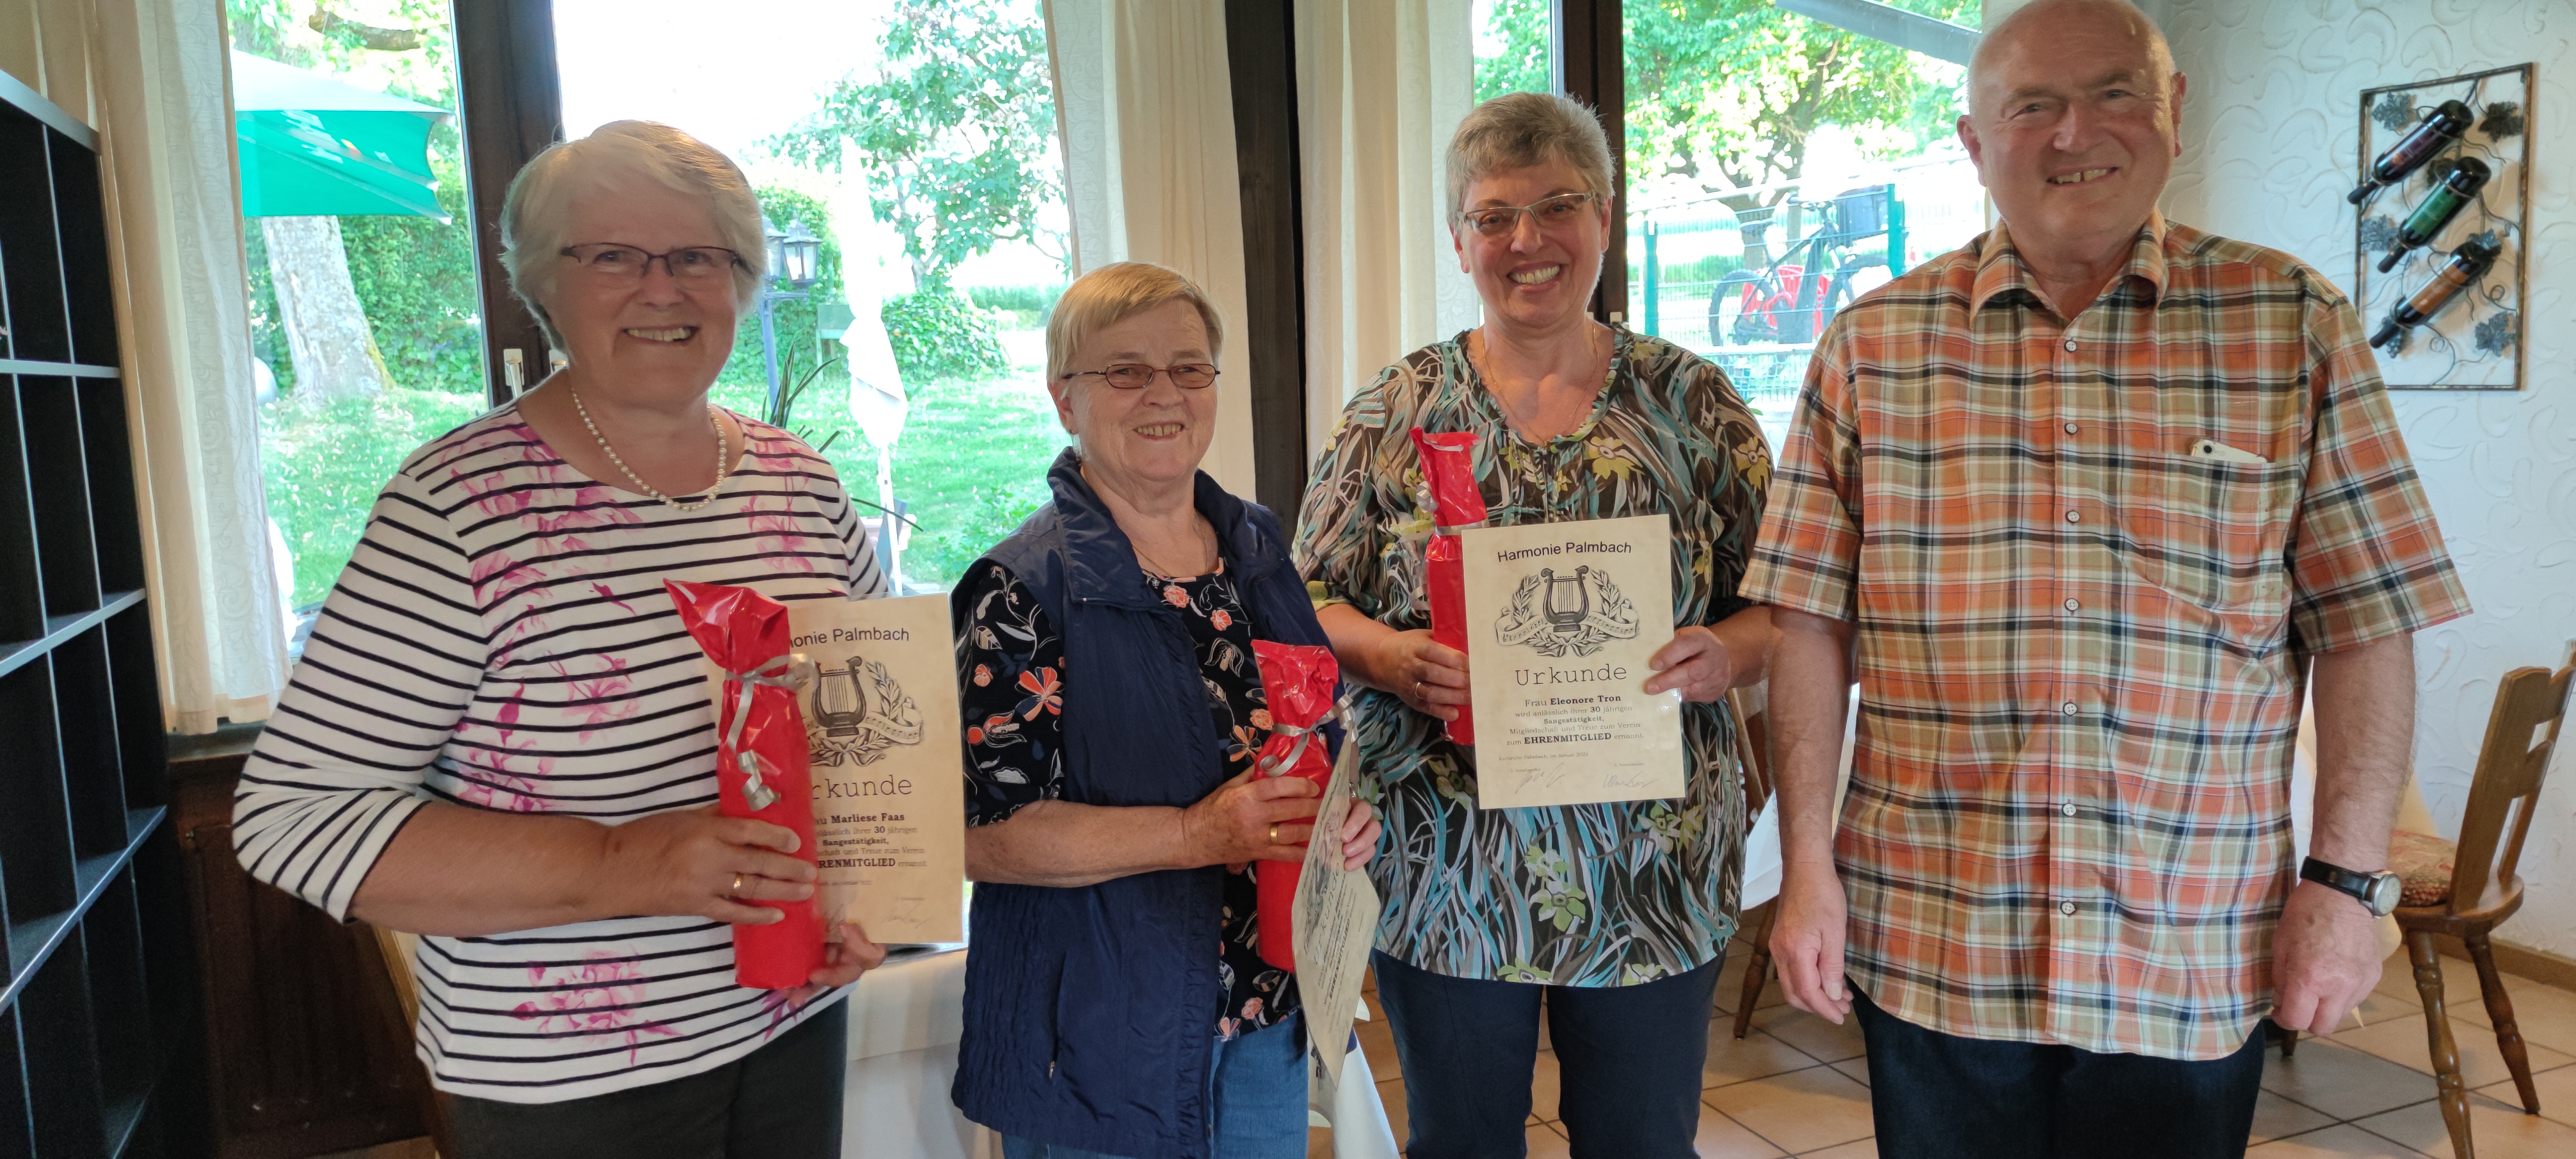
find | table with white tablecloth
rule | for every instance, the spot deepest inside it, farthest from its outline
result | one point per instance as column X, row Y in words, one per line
column 905, row 1020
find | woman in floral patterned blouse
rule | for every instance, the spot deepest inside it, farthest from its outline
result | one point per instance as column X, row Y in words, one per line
column 1116, row 1000
column 1619, row 913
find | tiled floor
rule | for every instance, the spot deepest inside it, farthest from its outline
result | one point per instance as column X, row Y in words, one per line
column 1798, row 1085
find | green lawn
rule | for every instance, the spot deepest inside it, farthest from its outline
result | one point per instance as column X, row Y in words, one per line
column 971, row 464
column 324, row 467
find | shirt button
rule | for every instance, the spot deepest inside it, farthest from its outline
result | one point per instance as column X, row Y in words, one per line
column 2067, row 908
column 2067, row 708
column 2072, row 603
column 2068, row 809
column 2070, row 428
column 2075, row 517
column 2070, row 344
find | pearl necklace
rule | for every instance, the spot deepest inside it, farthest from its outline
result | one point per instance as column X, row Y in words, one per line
column 723, row 467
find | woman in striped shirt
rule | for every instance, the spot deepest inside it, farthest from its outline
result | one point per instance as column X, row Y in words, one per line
column 499, row 738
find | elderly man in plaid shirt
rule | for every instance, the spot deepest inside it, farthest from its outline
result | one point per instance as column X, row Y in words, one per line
column 2088, row 503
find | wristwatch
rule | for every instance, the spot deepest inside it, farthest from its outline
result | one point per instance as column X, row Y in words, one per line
column 2377, row 892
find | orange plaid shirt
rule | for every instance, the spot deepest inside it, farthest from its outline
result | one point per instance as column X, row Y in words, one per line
column 2081, row 643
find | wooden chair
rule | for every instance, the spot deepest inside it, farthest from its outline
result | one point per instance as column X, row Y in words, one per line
column 1753, row 751
column 2477, row 889
column 396, row 949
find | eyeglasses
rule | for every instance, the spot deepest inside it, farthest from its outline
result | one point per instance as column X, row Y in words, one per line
column 1134, row 375
column 625, row 264
column 1556, row 212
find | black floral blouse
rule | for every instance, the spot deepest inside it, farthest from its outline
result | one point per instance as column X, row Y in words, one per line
column 1010, row 668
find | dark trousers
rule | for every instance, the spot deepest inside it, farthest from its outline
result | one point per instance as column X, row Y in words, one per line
column 1628, row 1061
column 782, row 1101
column 1939, row 1096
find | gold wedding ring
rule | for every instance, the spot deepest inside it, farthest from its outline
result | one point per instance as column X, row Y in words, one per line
column 1274, row 833
column 734, row 891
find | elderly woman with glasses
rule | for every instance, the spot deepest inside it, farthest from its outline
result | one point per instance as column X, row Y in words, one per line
column 1617, row 914
column 498, row 737
column 1116, row 1000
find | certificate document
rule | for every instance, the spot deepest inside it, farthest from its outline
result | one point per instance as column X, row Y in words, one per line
column 1562, row 618
column 1335, row 923
column 883, row 743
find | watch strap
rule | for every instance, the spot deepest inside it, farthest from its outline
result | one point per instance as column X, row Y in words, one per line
column 2361, row 886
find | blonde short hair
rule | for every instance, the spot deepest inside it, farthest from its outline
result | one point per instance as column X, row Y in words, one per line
column 534, row 216
column 1114, row 293
column 1518, row 130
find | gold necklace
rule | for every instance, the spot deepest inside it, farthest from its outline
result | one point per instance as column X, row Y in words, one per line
column 1164, row 572
column 723, row 465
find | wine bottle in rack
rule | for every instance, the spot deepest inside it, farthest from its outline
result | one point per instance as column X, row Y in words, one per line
column 2468, row 263
column 2438, row 128
column 2456, row 190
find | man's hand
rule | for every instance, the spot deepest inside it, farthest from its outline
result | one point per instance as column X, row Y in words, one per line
column 2325, row 959
column 1807, row 941
column 1696, row 662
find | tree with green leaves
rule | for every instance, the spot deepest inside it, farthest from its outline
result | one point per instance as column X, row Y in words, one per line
column 954, row 132
column 1726, row 94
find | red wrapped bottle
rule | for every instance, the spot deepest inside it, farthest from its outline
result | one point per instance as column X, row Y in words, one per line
column 760, row 762
column 1299, row 682
column 1449, row 470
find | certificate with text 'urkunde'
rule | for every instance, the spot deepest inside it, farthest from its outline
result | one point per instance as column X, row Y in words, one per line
column 878, row 689
column 1561, row 619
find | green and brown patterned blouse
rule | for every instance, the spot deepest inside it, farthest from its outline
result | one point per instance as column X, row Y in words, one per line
column 1580, row 895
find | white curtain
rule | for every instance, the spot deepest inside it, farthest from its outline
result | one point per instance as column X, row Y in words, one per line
column 1380, row 86
column 175, row 231
column 1145, row 109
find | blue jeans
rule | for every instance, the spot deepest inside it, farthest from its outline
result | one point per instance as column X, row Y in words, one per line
column 1940, row 1096
column 1628, row 1059
column 1256, row 1100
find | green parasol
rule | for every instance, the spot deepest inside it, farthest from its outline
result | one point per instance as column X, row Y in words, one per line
column 311, row 146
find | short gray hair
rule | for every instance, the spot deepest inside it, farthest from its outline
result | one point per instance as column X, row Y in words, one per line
column 1518, row 130
column 541, row 196
column 1114, row 293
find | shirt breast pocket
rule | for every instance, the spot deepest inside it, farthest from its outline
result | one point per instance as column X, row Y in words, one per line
column 2213, row 533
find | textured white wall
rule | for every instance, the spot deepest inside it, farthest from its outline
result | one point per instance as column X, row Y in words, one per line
column 2269, row 134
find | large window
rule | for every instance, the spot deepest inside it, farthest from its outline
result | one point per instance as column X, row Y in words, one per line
column 1778, row 167
column 915, row 140
column 911, row 143
column 364, row 309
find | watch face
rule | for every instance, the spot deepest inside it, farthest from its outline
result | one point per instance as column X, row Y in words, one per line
column 2384, row 890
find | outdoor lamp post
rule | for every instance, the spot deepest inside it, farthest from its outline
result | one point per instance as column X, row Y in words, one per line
column 795, row 258
column 803, row 255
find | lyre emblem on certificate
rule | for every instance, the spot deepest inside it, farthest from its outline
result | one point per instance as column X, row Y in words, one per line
column 1561, row 614
column 858, row 711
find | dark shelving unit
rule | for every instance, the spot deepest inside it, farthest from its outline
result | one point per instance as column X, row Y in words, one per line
column 85, row 882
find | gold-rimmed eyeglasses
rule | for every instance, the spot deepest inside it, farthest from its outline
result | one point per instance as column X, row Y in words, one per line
column 1134, row 375
column 1556, row 212
column 615, row 263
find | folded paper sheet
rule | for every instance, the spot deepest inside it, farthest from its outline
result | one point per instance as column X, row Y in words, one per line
column 1337, row 912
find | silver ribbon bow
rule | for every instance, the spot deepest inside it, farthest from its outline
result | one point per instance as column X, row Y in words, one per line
column 797, row 675
column 1273, row 766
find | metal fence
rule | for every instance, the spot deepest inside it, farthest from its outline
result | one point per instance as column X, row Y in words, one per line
column 1750, row 289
